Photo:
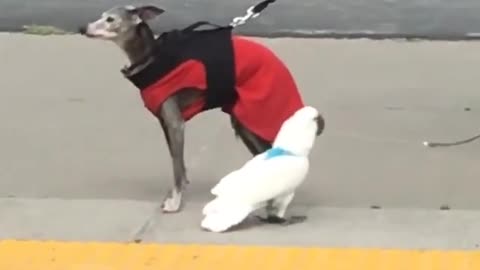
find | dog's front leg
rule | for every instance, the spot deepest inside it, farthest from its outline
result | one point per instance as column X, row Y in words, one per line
column 173, row 125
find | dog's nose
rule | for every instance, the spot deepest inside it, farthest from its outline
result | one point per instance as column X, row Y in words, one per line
column 82, row 30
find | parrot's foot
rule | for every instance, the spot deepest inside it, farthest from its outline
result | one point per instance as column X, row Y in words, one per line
column 282, row 221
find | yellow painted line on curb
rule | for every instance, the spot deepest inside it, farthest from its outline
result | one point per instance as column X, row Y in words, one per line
column 37, row 255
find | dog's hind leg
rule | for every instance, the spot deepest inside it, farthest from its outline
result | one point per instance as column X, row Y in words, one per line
column 173, row 125
column 255, row 144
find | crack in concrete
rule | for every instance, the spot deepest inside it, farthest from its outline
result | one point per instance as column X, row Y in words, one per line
column 138, row 235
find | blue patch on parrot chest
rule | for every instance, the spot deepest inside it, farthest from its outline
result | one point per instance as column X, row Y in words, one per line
column 277, row 152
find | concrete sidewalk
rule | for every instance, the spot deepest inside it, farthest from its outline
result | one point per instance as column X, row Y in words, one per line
column 132, row 221
column 81, row 159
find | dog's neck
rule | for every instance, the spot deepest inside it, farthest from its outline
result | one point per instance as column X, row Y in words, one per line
column 139, row 48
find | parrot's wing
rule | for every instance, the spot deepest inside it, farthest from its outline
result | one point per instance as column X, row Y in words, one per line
column 255, row 161
column 265, row 180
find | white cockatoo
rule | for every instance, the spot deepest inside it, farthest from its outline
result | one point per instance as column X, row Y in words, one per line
column 268, row 179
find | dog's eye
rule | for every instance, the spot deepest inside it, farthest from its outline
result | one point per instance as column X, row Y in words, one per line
column 110, row 19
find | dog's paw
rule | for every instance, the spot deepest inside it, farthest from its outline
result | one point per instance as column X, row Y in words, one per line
column 172, row 203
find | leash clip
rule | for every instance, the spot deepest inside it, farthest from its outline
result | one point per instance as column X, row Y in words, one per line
column 242, row 19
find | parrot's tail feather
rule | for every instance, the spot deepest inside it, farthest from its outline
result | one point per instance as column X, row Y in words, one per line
column 217, row 189
column 221, row 217
column 223, row 185
column 212, row 207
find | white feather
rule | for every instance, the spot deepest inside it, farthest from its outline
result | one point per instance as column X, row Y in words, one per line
column 274, row 177
column 255, row 161
column 224, row 214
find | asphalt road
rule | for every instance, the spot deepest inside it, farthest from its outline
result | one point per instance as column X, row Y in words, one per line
column 81, row 158
column 433, row 19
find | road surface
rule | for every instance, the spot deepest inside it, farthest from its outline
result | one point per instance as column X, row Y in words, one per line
column 431, row 19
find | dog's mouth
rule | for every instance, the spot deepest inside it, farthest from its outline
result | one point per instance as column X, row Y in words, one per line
column 91, row 35
column 82, row 30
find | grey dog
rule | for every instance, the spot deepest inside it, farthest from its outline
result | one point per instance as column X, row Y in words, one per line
column 126, row 27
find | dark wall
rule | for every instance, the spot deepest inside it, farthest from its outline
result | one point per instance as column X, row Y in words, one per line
column 444, row 19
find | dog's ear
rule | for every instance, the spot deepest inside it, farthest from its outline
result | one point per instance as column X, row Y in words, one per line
column 146, row 13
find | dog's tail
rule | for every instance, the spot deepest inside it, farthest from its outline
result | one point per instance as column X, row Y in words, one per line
column 445, row 144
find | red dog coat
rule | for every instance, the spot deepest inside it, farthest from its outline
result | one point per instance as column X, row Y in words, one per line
column 264, row 92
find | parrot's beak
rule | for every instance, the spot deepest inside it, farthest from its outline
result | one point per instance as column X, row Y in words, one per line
column 320, row 124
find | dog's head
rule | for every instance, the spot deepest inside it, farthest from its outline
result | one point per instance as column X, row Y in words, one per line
column 120, row 23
